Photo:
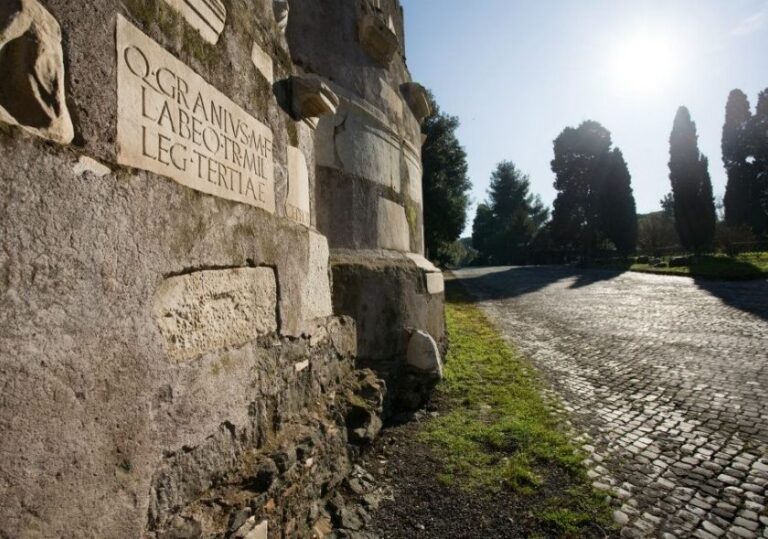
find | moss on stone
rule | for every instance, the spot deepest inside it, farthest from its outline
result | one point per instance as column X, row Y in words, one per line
column 261, row 93
column 245, row 25
column 281, row 58
column 6, row 132
column 172, row 25
column 412, row 216
column 199, row 47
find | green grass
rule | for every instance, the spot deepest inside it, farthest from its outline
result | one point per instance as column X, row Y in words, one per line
column 719, row 266
column 501, row 433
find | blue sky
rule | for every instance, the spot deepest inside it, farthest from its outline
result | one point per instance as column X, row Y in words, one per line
column 517, row 72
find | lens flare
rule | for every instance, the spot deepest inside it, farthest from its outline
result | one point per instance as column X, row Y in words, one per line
column 645, row 64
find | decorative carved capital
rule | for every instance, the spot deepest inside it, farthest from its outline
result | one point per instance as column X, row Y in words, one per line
column 312, row 98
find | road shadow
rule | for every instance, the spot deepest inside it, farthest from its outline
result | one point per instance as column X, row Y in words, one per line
column 748, row 296
column 520, row 280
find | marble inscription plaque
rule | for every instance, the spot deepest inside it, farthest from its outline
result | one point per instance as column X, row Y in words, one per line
column 172, row 122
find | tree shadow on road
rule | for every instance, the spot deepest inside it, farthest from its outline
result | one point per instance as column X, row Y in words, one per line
column 504, row 283
column 747, row 296
column 592, row 276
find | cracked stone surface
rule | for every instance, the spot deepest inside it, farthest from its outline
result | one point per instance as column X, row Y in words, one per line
column 665, row 382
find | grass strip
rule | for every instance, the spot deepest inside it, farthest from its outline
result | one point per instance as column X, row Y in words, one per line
column 502, row 434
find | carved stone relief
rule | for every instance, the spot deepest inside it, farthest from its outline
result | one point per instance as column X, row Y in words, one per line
column 32, row 71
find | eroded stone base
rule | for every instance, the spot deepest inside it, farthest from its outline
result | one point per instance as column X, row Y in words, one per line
column 281, row 466
column 387, row 293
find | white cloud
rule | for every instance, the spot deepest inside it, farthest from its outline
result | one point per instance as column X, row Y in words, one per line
column 752, row 24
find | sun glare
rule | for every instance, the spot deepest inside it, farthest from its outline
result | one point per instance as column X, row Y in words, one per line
column 645, row 64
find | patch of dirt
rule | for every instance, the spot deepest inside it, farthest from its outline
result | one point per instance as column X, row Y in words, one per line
column 418, row 504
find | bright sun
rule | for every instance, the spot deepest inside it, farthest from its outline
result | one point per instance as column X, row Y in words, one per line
column 645, row 64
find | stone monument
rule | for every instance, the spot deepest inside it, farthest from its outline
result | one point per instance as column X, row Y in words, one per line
column 212, row 282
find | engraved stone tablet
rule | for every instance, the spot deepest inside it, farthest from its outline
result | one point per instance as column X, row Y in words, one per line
column 171, row 122
column 205, row 16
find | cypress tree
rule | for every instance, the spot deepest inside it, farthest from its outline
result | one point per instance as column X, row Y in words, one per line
column 691, row 186
column 618, row 215
column 758, row 155
column 739, row 194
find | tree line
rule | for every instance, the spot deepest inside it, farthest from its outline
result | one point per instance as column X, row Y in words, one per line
column 594, row 211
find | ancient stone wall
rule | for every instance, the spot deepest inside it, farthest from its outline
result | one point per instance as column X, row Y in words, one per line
column 195, row 219
column 368, row 180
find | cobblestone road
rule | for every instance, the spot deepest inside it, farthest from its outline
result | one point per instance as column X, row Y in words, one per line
column 666, row 382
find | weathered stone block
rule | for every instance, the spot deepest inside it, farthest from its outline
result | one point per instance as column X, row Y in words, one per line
column 432, row 275
column 392, row 226
column 259, row 532
column 205, row 16
column 377, row 38
column 362, row 142
column 391, row 99
column 435, row 283
column 263, row 62
column 413, row 172
column 368, row 148
column 416, row 97
column 297, row 202
column 32, row 67
column 347, row 211
column 312, row 98
column 316, row 300
column 422, row 263
column 376, row 286
column 208, row 310
column 87, row 164
column 423, row 354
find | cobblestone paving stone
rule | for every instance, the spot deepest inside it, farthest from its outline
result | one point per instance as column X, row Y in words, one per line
column 665, row 381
